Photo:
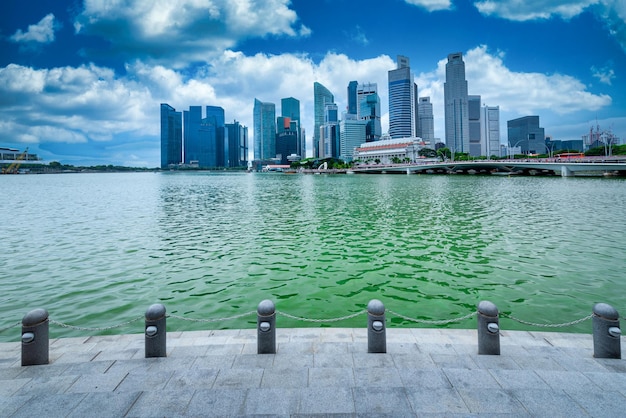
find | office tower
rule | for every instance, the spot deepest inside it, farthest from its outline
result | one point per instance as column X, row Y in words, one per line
column 455, row 105
column 490, row 126
column 286, row 139
column 264, row 120
column 171, row 136
column 321, row 96
column 401, row 100
column 237, row 145
column 526, row 133
column 473, row 114
column 216, row 135
column 328, row 131
column 426, row 121
column 368, row 109
column 352, row 97
column 416, row 119
column 352, row 132
column 290, row 108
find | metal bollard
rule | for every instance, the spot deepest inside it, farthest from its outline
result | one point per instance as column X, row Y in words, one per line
column 488, row 329
column 376, row 330
column 35, row 341
column 266, row 327
column 156, row 331
column 606, row 332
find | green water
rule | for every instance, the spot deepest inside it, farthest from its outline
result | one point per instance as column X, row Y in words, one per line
column 96, row 250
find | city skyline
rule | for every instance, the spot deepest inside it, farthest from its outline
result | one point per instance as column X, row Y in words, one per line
column 81, row 82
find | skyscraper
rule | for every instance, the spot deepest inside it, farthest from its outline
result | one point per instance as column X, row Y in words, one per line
column 426, row 124
column 455, row 105
column 352, row 97
column 215, row 119
column 264, row 120
column 171, row 136
column 290, row 108
column 368, row 109
column 321, row 96
column 330, row 136
column 351, row 134
column 237, row 145
column 473, row 114
column 490, row 126
column 402, row 92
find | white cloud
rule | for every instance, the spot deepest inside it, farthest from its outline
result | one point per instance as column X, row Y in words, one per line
column 605, row 74
column 432, row 5
column 183, row 31
column 533, row 9
column 41, row 32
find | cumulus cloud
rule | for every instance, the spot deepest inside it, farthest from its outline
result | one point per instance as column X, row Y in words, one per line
column 432, row 5
column 184, row 31
column 41, row 32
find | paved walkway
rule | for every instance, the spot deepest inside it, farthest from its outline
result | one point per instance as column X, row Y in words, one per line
column 426, row 372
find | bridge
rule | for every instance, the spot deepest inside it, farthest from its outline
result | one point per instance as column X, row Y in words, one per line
column 581, row 167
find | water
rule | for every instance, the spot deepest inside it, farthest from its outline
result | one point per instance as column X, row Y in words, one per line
column 97, row 249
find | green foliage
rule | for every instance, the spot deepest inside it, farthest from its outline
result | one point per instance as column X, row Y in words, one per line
column 427, row 153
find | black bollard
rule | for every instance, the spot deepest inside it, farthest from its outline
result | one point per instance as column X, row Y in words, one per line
column 376, row 329
column 35, row 340
column 606, row 332
column 266, row 327
column 488, row 329
column 156, row 331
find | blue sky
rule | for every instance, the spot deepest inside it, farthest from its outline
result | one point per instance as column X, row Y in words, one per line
column 81, row 81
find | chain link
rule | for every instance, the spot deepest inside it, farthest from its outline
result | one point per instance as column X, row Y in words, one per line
column 354, row 315
column 565, row 324
column 211, row 320
column 61, row 324
column 434, row 322
column 9, row 327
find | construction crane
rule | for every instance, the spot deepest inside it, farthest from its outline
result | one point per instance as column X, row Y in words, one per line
column 15, row 166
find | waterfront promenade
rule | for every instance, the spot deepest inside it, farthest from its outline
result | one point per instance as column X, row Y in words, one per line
column 316, row 372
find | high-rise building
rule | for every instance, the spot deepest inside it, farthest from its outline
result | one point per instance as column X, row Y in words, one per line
column 526, row 133
column 352, row 97
column 368, row 109
column 171, row 136
column 215, row 117
column 455, row 105
column 290, row 108
column 426, row 123
column 473, row 114
column 321, row 96
column 329, row 132
column 351, row 134
column 490, row 126
column 286, row 138
column 402, row 91
column 236, row 145
column 264, row 120
column 204, row 137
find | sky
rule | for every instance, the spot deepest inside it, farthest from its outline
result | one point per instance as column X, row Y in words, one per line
column 81, row 81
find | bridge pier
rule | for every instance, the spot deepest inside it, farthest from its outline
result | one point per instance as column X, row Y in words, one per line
column 566, row 172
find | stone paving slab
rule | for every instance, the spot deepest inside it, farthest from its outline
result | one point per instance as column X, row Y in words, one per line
column 316, row 372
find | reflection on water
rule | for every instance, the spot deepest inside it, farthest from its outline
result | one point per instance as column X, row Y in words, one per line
column 98, row 249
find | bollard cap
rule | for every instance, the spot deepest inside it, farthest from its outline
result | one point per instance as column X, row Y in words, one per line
column 35, row 317
column 487, row 308
column 375, row 307
column 605, row 311
column 266, row 308
column 156, row 311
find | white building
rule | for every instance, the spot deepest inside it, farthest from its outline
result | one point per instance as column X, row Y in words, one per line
column 351, row 135
column 490, row 131
column 389, row 149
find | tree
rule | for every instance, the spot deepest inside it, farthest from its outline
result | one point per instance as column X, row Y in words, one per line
column 427, row 153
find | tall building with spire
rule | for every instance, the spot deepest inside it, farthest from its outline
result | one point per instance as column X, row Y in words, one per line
column 321, row 97
column 402, row 100
column 456, row 105
column 171, row 136
column 264, row 121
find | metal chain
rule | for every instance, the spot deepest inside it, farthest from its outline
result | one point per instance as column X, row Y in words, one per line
column 354, row 315
column 61, row 324
column 211, row 320
column 566, row 324
column 9, row 327
column 434, row 322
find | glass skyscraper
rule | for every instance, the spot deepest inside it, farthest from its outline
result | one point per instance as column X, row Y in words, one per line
column 456, row 105
column 204, row 137
column 402, row 91
column 474, row 115
column 321, row 96
column 171, row 136
column 426, row 124
column 290, row 108
column 352, row 98
column 264, row 120
column 368, row 109
column 236, row 145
